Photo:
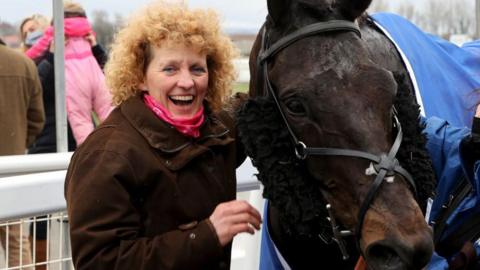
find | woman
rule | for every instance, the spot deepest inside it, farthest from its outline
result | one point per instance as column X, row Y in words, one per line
column 31, row 30
column 153, row 187
column 85, row 87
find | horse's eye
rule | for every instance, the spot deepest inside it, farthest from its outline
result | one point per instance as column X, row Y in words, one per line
column 295, row 106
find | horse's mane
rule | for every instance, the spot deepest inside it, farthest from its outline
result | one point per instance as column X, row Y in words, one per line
column 287, row 184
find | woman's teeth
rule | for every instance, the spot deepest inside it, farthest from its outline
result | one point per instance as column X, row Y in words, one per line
column 181, row 100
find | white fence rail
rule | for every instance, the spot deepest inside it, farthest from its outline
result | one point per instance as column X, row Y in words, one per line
column 24, row 164
column 32, row 186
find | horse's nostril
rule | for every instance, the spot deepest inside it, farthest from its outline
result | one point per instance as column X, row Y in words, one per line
column 389, row 255
column 380, row 256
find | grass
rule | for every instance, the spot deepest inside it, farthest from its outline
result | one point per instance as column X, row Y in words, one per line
column 240, row 87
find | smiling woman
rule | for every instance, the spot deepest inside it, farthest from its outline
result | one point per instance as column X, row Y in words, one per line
column 154, row 186
column 177, row 78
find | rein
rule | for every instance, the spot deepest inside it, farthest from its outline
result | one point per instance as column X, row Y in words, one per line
column 383, row 165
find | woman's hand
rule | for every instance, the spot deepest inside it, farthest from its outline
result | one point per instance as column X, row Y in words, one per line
column 477, row 114
column 91, row 39
column 51, row 47
column 234, row 217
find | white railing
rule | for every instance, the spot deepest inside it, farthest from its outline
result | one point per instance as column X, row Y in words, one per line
column 25, row 164
column 32, row 186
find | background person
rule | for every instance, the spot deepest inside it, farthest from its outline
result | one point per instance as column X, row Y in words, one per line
column 21, row 120
column 46, row 140
column 153, row 187
column 31, row 30
column 85, row 87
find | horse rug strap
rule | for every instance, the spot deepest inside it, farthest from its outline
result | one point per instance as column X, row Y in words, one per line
column 271, row 257
column 460, row 192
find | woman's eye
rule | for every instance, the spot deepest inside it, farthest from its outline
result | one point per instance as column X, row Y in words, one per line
column 168, row 69
column 295, row 106
column 198, row 70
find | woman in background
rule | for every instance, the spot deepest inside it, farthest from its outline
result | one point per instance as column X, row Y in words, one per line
column 85, row 87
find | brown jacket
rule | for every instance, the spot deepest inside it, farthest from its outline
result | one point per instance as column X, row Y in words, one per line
column 21, row 105
column 139, row 193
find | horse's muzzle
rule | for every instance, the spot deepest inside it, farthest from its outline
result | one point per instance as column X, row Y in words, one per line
column 403, row 254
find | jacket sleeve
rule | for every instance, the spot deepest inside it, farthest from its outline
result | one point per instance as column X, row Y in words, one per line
column 36, row 111
column 100, row 55
column 443, row 144
column 41, row 46
column 455, row 152
column 106, row 227
column 102, row 100
column 46, row 68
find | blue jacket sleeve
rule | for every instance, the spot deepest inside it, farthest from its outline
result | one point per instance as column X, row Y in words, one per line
column 443, row 145
column 455, row 152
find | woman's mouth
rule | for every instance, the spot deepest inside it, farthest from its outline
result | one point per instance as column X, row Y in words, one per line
column 182, row 100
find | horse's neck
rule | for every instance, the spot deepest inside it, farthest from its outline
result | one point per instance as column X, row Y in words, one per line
column 379, row 46
column 306, row 253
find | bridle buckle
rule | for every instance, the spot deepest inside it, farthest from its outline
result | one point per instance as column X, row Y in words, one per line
column 301, row 150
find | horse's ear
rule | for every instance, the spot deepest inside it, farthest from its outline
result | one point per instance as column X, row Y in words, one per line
column 352, row 9
column 277, row 9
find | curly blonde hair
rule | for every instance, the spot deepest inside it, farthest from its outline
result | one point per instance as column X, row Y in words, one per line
column 162, row 24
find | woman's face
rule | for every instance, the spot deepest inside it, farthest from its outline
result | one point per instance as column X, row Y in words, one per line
column 177, row 78
column 29, row 27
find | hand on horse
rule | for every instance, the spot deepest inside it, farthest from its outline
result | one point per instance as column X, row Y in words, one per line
column 234, row 217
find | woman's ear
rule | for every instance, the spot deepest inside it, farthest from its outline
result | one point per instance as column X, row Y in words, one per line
column 142, row 86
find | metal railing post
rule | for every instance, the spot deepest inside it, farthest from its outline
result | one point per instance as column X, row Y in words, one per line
column 59, row 62
column 477, row 19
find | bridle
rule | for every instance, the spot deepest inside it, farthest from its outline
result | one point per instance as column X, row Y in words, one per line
column 384, row 165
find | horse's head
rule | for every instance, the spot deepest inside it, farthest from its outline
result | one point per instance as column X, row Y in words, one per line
column 333, row 96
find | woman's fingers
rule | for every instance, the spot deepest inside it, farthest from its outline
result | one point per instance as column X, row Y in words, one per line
column 234, row 217
column 242, row 228
column 240, row 206
column 245, row 217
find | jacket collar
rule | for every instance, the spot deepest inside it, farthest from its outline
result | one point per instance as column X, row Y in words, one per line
column 165, row 137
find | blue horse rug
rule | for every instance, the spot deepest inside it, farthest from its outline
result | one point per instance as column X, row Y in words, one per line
column 444, row 75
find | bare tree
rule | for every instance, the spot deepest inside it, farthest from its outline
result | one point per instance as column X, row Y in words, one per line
column 103, row 27
column 463, row 17
column 449, row 17
column 119, row 22
column 379, row 5
column 408, row 10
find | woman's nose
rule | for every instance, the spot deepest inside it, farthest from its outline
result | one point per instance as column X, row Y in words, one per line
column 185, row 80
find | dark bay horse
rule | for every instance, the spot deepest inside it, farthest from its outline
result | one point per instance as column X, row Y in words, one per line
column 333, row 128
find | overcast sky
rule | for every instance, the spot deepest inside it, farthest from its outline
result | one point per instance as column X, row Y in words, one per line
column 236, row 14
column 241, row 14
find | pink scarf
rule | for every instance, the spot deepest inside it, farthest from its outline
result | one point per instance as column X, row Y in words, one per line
column 187, row 126
column 74, row 27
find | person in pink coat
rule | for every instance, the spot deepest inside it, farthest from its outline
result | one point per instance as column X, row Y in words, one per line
column 85, row 88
